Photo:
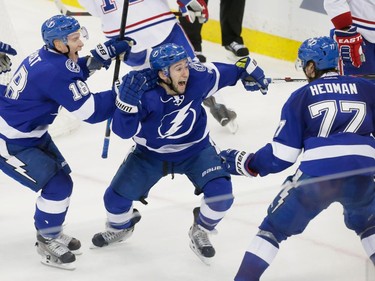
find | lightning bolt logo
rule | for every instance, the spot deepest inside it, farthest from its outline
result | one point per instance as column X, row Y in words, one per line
column 283, row 194
column 18, row 164
column 176, row 123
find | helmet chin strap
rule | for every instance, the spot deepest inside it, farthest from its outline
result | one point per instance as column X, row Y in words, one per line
column 170, row 85
column 66, row 53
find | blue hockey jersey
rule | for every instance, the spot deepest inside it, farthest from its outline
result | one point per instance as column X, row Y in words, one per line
column 43, row 82
column 332, row 121
column 173, row 128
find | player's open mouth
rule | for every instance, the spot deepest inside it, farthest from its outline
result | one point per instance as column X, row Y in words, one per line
column 182, row 83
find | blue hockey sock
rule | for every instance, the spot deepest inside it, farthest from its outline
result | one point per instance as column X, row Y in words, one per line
column 258, row 257
column 251, row 268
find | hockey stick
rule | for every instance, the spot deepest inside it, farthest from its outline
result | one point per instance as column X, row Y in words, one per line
column 63, row 10
column 115, row 77
column 278, row 80
column 290, row 79
column 287, row 79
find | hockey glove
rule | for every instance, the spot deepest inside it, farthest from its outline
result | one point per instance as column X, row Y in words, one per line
column 5, row 62
column 350, row 46
column 93, row 65
column 192, row 9
column 104, row 53
column 7, row 49
column 253, row 77
column 151, row 77
column 251, row 85
column 236, row 162
column 133, row 85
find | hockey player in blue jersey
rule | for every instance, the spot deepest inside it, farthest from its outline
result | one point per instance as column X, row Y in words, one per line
column 52, row 77
column 5, row 62
column 331, row 120
column 169, row 127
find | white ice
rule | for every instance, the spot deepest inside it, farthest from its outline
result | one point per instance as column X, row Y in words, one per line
column 159, row 249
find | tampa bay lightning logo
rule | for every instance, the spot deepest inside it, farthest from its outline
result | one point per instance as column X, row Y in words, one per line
column 72, row 66
column 178, row 123
column 198, row 66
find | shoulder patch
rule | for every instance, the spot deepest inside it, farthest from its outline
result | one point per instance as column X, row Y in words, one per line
column 72, row 66
column 197, row 66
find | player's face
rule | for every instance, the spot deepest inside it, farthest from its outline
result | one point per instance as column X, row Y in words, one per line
column 75, row 45
column 179, row 74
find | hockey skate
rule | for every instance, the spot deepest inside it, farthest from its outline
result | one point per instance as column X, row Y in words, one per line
column 199, row 242
column 73, row 244
column 112, row 235
column 226, row 117
column 55, row 253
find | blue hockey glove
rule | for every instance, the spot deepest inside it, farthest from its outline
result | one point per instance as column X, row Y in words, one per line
column 251, row 85
column 133, row 85
column 151, row 76
column 7, row 49
column 236, row 162
column 192, row 9
column 104, row 53
column 350, row 46
column 253, row 73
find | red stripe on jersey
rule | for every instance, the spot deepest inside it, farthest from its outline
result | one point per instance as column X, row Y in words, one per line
column 139, row 22
column 363, row 20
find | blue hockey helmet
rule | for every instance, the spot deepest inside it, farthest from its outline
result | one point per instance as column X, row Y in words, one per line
column 58, row 27
column 162, row 57
column 323, row 51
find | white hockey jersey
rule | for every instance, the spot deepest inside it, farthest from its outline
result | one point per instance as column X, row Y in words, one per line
column 155, row 17
column 360, row 13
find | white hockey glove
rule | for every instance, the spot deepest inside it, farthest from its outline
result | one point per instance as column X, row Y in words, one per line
column 192, row 9
column 236, row 162
column 5, row 62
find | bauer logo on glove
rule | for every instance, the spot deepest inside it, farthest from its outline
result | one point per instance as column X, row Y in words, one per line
column 104, row 53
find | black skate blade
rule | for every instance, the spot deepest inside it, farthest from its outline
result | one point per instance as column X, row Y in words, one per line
column 206, row 261
column 117, row 243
